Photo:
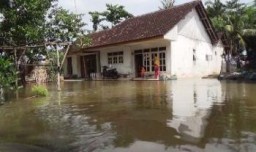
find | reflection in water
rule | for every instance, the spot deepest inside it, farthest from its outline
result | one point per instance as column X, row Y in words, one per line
column 185, row 115
column 191, row 104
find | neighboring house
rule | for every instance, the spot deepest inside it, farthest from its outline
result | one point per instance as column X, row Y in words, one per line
column 182, row 37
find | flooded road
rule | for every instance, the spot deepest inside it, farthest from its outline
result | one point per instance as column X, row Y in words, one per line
column 173, row 116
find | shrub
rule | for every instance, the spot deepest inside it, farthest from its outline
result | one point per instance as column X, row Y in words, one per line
column 39, row 90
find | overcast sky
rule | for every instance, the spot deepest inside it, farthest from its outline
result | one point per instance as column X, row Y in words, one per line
column 136, row 7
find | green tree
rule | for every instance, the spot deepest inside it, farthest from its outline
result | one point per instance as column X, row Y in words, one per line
column 27, row 22
column 235, row 19
column 216, row 10
column 235, row 24
column 115, row 14
column 23, row 21
column 250, row 21
column 96, row 19
column 63, row 26
column 23, row 24
column 167, row 4
column 8, row 75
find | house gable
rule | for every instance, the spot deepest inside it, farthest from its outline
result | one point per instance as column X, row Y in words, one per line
column 196, row 24
column 192, row 27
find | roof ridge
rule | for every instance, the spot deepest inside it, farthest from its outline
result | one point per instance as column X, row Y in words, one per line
column 142, row 15
column 162, row 10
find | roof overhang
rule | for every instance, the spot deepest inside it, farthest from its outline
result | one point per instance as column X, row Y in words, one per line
column 207, row 22
column 128, row 43
column 123, row 43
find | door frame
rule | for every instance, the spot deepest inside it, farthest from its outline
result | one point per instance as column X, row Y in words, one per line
column 82, row 63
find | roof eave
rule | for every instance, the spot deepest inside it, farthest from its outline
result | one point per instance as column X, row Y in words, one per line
column 207, row 23
column 124, row 42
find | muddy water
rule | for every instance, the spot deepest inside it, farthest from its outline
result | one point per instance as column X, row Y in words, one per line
column 187, row 115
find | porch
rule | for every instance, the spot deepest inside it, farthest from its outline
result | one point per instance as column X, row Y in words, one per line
column 127, row 59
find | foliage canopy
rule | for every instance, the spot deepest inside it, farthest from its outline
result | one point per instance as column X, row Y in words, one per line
column 235, row 19
column 167, row 4
column 113, row 15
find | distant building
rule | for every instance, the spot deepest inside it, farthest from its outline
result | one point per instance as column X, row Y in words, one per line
column 182, row 37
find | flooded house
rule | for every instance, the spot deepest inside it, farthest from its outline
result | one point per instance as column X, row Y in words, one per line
column 181, row 37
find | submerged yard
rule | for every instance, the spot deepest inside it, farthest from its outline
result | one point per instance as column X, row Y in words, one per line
column 183, row 115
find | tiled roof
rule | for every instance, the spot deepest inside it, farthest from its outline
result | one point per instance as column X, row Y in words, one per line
column 142, row 27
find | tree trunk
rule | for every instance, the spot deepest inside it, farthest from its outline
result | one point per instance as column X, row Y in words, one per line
column 1, row 93
column 58, row 72
column 228, row 60
column 16, row 66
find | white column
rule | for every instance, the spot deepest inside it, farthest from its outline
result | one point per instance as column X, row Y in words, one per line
column 75, row 65
column 168, row 58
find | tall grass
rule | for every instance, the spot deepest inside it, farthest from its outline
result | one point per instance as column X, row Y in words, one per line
column 40, row 91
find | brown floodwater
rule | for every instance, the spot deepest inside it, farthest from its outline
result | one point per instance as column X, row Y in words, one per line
column 129, row 116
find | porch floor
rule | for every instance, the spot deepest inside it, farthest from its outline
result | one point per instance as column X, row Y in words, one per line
column 119, row 79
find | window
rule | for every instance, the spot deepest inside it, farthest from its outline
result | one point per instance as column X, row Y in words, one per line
column 115, row 58
column 162, row 61
column 149, row 55
column 194, row 55
column 208, row 57
column 146, row 59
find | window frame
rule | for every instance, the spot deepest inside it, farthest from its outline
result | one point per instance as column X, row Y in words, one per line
column 115, row 57
column 148, row 55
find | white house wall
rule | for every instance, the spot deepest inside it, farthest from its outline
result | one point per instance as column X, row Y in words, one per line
column 191, row 36
column 218, row 51
column 124, row 68
column 75, row 66
column 128, row 67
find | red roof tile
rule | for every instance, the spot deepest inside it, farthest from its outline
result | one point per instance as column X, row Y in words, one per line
column 142, row 27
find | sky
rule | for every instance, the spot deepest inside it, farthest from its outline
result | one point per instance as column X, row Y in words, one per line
column 135, row 7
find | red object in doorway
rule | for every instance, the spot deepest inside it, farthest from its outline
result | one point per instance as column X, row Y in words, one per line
column 156, row 68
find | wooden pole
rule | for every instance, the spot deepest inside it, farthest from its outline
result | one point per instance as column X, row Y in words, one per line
column 58, row 71
column 65, row 55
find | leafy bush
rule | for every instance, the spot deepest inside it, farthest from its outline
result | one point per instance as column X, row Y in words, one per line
column 8, row 73
column 40, row 90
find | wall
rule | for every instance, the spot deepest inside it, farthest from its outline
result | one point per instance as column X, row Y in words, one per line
column 128, row 67
column 124, row 68
column 75, row 66
column 191, row 35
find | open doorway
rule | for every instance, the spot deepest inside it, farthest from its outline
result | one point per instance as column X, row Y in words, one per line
column 69, row 67
column 138, row 64
column 88, row 65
